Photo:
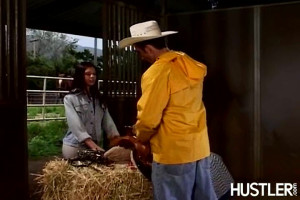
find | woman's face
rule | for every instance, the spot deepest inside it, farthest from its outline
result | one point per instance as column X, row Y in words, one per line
column 90, row 76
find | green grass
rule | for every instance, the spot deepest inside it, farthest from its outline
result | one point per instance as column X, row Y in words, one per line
column 36, row 112
column 33, row 111
column 57, row 110
column 45, row 138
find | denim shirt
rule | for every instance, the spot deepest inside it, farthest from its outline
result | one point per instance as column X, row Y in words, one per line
column 85, row 121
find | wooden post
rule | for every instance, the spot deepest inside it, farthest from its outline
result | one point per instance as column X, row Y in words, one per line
column 13, row 147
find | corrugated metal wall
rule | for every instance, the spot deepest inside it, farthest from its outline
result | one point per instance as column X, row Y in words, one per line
column 13, row 147
column 280, row 97
column 251, row 88
column 122, row 67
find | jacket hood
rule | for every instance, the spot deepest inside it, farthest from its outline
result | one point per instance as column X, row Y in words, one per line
column 193, row 69
column 186, row 71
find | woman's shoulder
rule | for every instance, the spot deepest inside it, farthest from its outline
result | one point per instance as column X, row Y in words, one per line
column 71, row 95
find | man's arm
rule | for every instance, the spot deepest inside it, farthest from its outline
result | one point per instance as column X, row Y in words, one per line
column 154, row 99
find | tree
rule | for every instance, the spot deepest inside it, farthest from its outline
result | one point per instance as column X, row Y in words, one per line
column 86, row 55
column 49, row 53
column 51, row 45
column 54, row 53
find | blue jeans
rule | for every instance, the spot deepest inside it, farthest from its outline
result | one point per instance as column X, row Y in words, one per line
column 189, row 181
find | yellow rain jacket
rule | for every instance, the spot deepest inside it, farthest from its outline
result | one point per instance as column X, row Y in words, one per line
column 171, row 113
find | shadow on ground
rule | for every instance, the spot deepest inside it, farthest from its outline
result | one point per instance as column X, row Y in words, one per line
column 35, row 167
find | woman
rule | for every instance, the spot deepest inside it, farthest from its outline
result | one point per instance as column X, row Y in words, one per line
column 86, row 114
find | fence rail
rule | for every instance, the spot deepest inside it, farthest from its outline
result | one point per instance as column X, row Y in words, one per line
column 45, row 97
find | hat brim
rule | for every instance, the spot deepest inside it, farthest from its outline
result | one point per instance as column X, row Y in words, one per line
column 132, row 40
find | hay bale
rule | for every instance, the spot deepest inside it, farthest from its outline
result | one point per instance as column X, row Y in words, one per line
column 62, row 181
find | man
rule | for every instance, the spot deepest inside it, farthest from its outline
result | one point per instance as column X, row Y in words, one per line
column 172, row 117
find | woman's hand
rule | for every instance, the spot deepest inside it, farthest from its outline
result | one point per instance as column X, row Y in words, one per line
column 92, row 145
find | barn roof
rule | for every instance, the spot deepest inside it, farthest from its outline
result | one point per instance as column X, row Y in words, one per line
column 84, row 17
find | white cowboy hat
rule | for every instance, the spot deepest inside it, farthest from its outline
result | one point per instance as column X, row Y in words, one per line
column 144, row 31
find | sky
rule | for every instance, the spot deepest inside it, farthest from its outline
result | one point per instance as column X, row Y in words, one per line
column 86, row 41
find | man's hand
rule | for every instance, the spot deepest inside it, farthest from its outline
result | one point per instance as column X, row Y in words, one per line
column 124, row 141
column 130, row 130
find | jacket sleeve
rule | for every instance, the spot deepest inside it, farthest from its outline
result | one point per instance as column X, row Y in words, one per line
column 151, row 105
column 108, row 125
column 74, row 122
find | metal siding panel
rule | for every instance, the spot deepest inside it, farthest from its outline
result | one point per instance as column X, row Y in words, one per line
column 223, row 40
column 250, row 91
column 280, row 97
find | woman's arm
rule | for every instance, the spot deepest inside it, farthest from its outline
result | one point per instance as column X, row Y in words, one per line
column 92, row 145
column 109, row 126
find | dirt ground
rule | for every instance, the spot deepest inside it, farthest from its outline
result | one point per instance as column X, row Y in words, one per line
column 34, row 168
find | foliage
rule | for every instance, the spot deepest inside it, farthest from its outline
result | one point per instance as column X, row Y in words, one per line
column 57, row 110
column 40, row 66
column 36, row 112
column 85, row 55
column 33, row 111
column 33, row 130
column 45, row 138
column 53, row 54
column 51, row 45
column 48, row 55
